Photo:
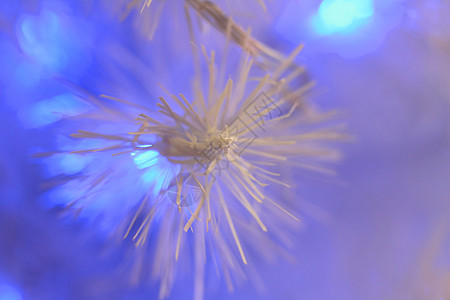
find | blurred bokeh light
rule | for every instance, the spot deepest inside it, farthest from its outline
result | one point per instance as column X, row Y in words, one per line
column 380, row 230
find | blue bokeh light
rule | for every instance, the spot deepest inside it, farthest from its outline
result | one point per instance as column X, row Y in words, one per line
column 158, row 172
column 53, row 109
column 40, row 39
column 342, row 16
column 50, row 41
column 348, row 28
column 146, row 159
column 65, row 163
column 395, row 170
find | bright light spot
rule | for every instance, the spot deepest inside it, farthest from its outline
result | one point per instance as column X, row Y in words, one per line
column 72, row 163
column 51, row 110
column 65, row 163
column 338, row 13
column 42, row 40
column 54, row 42
column 7, row 292
column 158, row 172
column 342, row 16
column 146, row 159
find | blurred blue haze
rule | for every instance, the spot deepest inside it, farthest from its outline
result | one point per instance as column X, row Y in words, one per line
column 380, row 230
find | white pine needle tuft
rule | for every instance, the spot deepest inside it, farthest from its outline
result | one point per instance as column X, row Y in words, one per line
column 225, row 151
